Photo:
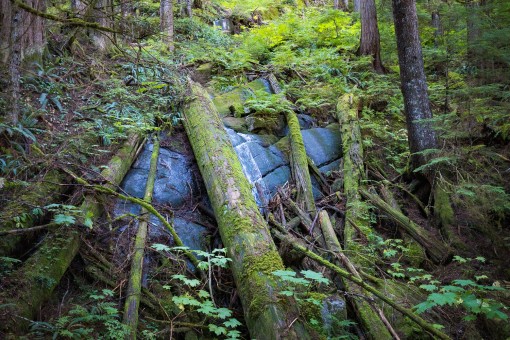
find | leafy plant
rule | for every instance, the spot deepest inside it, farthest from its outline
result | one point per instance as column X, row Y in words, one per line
column 100, row 321
column 220, row 319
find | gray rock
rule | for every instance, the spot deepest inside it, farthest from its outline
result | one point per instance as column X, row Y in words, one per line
column 333, row 312
column 323, row 145
column 333, row 166
column 277, row 178
column 134, row 182
column 237, row 124
column 264, row 158
column 191, row 234
column 306, row 121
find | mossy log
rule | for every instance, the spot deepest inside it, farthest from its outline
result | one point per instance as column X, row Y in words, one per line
column 372, row 319
column 33, row 283
column 135, row 280
column 416, row 254
column 423, row 324
column 444, row 214
column 243, row 230
column 436, row 250
column 299, row 165
column 47, row 190
column 356, row 214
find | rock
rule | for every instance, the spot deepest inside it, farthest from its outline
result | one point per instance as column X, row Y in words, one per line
column 134, row 182
column 323, row 145
column 203, row 73
column 305, row 121
column 264, row 158
column 333, row 166
column 333, row 312
column 277, row 178
column 236, row 124
column 231, row 103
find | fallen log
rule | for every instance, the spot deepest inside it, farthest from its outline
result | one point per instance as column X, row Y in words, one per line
column 48, row 190
column 371, row 317
column 416, row 254
column 299, row 165
column 423, row 324
column 436, row 250
column 243, row 230
column 135, row 279
column 33, row 283
column 356, row 214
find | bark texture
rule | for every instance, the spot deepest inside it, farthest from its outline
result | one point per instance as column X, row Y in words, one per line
column 242, row 228
column 370, row 39
column 421, row 136
column 167, row 22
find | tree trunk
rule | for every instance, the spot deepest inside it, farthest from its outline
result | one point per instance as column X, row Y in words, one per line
column 242, row 228
column 357, row 5
column 189, row 8
column 166, row 13
column 41, row 273
column 102, row 13
column 438, row 27
column 421, row 135
column 370, row 40
column 15, row 57
column 134, row 290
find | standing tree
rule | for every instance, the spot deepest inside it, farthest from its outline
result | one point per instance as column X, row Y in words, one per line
column 421, row 136
column 370, row 40
column 356, row 5
column 166, row 13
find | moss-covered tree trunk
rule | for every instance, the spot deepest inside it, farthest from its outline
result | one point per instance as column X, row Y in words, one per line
column 33, row 283
column 134, row 289
column 242, row 228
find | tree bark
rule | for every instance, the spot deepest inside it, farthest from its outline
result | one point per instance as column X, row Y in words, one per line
column 242, row 228
column 167, row 23
column 370, row 39
column 357, row 5
column 15, row 57
column 40, row 274
column 134, row 290
column 421, row 135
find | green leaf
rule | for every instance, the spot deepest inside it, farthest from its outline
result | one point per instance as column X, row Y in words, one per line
column 429, row 288
column 224, row 313
column 160, row 247
column 203, row 294
column 64, row 219
column 464, row 283
column 442, row 299
column 218, row 330
column 232, row 323
column 315, row 276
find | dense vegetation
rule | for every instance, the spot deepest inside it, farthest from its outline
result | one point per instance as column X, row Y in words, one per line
column 84, row 84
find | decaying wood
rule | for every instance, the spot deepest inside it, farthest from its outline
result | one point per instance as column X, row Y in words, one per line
column 135, row 280
column 243, row 230
column 356, row 213
column 437, row 250
column 36, row 279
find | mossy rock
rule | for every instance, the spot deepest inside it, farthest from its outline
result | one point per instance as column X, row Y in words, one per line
column 231, row 103
column 236, row 124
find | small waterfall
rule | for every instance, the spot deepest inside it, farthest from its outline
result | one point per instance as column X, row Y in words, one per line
column 252, row 172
